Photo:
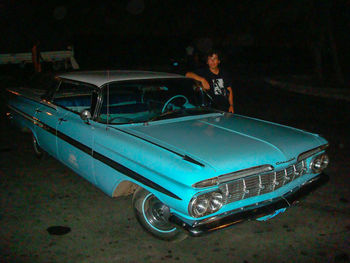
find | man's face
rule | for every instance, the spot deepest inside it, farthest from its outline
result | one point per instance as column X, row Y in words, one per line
column 213, row 61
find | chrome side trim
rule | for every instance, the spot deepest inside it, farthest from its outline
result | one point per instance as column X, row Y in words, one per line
column 39, row 100
column 48, row 103
column 24, row 115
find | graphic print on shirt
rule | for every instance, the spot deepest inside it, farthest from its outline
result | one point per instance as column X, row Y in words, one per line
column 218, row 85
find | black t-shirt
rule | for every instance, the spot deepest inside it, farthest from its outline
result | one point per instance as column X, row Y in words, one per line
column 218, row 87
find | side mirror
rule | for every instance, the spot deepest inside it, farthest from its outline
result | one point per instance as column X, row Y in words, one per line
column 85, row 115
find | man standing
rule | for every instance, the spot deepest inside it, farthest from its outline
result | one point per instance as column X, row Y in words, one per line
column 36, row 56
column 215, row 82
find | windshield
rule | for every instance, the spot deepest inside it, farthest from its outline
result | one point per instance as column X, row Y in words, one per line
column 149, row 100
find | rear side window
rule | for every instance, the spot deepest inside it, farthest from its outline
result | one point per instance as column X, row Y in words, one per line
column 75, row 96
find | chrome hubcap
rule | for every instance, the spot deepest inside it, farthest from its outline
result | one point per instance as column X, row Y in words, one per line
column 156, row 214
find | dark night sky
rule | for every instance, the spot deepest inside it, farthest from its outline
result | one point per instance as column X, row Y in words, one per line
column 254, row 23
column 282, row 20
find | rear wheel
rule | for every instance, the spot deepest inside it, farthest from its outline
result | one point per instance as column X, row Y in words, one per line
column 38, row 151
column 153, row 216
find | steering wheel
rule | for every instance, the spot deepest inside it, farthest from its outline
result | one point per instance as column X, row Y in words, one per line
column 172, row 98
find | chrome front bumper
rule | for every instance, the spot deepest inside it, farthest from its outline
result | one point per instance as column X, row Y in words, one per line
column 251, row 212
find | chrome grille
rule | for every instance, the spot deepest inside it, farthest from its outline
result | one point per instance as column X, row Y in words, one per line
column 259, row 184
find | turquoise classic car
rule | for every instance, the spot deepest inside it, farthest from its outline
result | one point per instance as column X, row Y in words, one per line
column 191, row 169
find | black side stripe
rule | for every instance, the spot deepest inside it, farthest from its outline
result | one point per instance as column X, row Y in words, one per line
column 185, row 157
column 124, row 170
column 116, row 166
column 76, row 144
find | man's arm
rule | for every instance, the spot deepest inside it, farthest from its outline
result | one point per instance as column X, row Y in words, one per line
column 202, row 80
column 230, row 99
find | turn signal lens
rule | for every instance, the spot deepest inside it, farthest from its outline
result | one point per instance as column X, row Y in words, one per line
column 206, row 183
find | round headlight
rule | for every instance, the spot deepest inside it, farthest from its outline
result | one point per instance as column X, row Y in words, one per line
column 200, row 206
column 205, row 204
column 319, row 163
column 215, row 202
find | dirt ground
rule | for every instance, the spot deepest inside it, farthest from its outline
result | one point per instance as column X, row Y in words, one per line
column 38, row 194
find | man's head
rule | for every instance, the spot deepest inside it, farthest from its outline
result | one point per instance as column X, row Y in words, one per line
column 213, row 59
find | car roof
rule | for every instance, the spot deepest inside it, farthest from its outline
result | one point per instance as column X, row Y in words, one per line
column 99, row 78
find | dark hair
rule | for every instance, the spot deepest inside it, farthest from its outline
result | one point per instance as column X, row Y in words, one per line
column 211, row 52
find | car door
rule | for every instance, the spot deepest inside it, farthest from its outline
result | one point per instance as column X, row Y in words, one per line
column 75, row 136
column 46, row 117
column 45, row 128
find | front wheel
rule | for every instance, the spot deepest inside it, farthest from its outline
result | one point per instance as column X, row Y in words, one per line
column 153, row 216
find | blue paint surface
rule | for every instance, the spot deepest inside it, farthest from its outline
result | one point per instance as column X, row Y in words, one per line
column 154, row 151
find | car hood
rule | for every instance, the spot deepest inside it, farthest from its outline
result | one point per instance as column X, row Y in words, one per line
column 227, row 142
